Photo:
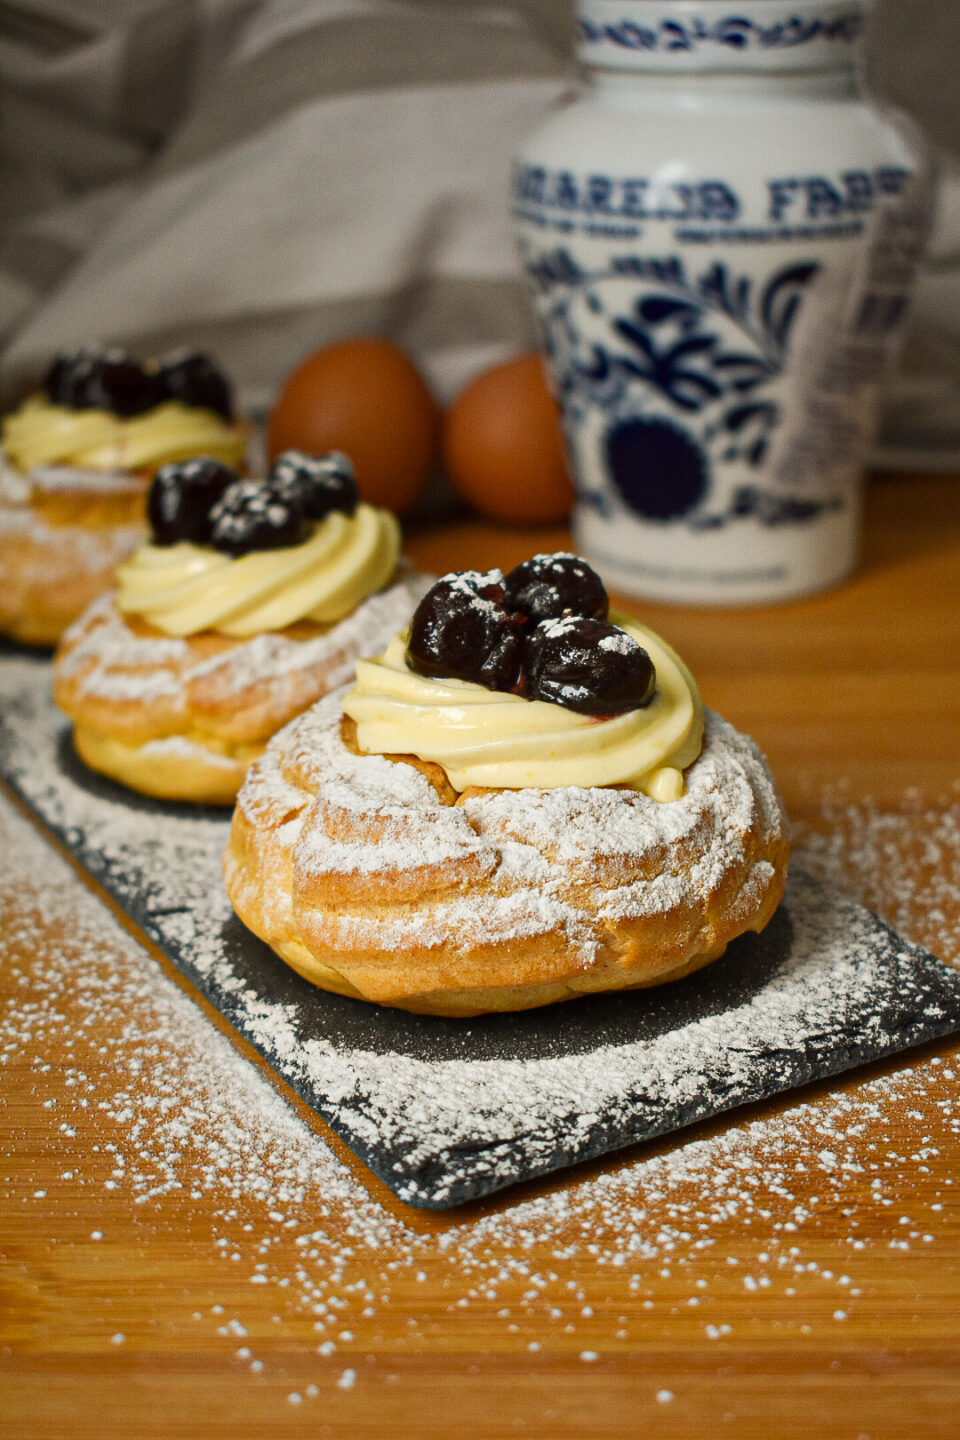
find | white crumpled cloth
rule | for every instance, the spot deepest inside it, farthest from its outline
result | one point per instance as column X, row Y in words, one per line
column 261, row 176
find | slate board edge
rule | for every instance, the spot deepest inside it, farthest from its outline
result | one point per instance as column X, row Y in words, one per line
column 449, row 1197
column 481, row 1175
column 843, row 1060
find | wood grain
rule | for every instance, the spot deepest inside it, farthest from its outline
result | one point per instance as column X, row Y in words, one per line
column 787, row 1272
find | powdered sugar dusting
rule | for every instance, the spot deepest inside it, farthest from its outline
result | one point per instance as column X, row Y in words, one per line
column 500, row 1103
column 136, row 1093
column 572, row 860
column 57, row 551
column 904, row 864
column 183, row 860
column 180, row 747
column 58, row 478
column 822, row 988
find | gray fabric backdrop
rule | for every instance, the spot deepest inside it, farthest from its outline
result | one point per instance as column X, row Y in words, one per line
column 260, row 176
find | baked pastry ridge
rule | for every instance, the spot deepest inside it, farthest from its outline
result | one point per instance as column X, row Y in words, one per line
column 371, row 876
column 374, row 875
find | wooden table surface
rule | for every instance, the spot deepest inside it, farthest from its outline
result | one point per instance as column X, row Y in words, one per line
column 185, row 1252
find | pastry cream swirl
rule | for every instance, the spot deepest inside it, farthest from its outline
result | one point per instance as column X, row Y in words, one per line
column 40, row 433
column 183, row 589
column 485, row 737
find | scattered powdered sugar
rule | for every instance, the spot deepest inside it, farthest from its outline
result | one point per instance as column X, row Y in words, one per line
column 199, row 1098
column 184, row 862
column 829, row 990
column 127, row 649
column 524, row 1114
column 904, row 864
column 16, row 486
column 615, row 642
column 472, row 593
column 558, row 626
column 242, row 499
column 138, row 1094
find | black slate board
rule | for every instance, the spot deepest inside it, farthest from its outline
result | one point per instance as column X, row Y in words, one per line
column 445, row 1111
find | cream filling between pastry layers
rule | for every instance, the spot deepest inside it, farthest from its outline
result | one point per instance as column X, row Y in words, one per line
column 40, row 433
column 183, row 589
column 487, row 738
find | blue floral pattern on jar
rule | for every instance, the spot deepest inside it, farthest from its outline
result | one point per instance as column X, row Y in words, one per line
column 735, row 32
column 667, row 374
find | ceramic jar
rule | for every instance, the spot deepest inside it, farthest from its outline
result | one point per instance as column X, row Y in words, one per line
column 719, row 235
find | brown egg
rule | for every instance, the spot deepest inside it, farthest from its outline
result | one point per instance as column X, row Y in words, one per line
column 365, row 397
column 503, row 445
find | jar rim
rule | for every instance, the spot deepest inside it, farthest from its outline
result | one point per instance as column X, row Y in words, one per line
column 719, row 34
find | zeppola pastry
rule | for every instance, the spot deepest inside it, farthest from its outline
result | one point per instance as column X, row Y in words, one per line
column 77, row 459
column 252, row 599
column 520, row 800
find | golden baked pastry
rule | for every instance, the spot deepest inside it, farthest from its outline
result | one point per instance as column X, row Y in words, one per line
column 375, row 875
column 217, row 634
column 182, row 717
column 371, row 876
column 61, row 538
column 75, row 469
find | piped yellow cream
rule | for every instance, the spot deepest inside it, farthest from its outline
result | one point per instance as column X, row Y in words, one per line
column 183, row 589
column 487, row 738
column 39, row 433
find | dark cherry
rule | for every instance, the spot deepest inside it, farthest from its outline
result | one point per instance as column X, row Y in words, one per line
column 191, row 377
column 549, row 586
column 181, row 497
column 461, row 630
column 106, row 380
column 589, row 666
column 57, row 379
column 252, row 515
column 317, row 483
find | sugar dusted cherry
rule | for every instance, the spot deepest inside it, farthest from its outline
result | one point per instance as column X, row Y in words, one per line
column 317, row 483
column 461, row 630
column 549, row 586
column 181, row 497
column 191, row 377
column 588, row 665
column 251, row 515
